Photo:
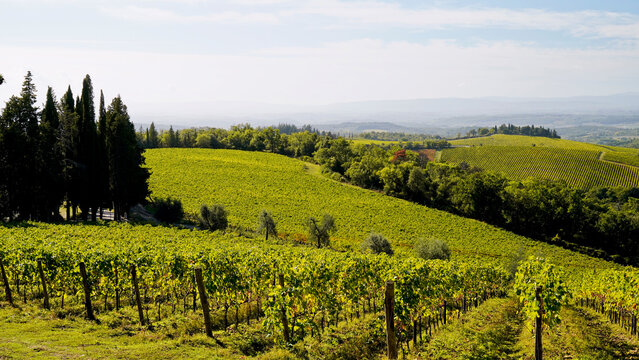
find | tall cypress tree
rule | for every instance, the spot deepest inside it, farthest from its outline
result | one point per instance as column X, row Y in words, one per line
column 102, row 180
column 50, row 168
column 88, row 152
column 127, row 179
column 153, row 138
column 69, row 121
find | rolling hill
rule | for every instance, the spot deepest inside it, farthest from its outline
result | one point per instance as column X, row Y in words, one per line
column 247, row 182
column 579, row 164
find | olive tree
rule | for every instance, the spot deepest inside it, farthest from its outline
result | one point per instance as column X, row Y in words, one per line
column 213, row 217
column 377, row 244
column 432, row 249
column 266, row 224
column 320, row 232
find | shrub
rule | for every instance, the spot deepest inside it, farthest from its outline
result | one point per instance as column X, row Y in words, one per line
column 168, row 210
column 378, row 244
column 432, row 249
column 213, row 217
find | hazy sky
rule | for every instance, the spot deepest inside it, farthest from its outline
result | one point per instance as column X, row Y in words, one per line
column 164, row 54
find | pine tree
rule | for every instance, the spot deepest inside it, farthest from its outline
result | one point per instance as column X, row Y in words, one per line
column 127, row 178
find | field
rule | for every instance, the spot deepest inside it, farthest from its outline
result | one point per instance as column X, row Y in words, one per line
column 247, row 182
column 579, row 164
column 333, row 292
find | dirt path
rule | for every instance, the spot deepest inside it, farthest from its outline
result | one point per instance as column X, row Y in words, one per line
column 602, row 157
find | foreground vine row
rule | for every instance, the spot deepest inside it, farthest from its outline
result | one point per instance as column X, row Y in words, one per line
column 294, row 289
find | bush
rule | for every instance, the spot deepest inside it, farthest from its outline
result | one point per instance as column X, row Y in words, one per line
column 213, row 217
column 432, row 249
column 378, row 244
column 168, row 210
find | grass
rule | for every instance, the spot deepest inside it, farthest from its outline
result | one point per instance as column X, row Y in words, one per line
column 490, row 331
column 585, row 335
column 247, row 182
column 32, row 333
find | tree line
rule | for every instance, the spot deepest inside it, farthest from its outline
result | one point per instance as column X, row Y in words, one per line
column 511, row 129
column 61, row 156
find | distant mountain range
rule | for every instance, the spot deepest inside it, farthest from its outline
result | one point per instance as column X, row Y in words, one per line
column 417, row 115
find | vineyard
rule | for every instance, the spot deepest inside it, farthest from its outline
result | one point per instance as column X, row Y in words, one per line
column 247, row 182
column 579, row 168
column 235, row 295
column 294, row 291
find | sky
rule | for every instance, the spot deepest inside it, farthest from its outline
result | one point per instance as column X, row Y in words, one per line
column 189, row 56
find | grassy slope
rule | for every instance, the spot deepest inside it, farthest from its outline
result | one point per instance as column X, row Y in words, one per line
column 579, row 164
column 246, row 182
column 33, row 333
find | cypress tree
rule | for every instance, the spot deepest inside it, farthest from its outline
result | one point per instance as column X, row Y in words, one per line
column 102, row 180
column 69, row 122
column 88, row 149
column 51, row 159
column 127, row 178
column 153, row 137
column 19, row 184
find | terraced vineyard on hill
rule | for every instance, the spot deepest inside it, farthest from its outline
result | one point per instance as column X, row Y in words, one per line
column 579, row 164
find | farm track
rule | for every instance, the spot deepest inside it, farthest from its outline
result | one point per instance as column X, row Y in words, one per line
column 602, row 157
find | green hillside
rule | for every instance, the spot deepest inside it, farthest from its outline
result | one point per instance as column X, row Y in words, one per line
column 579, row 164
column 247, row 182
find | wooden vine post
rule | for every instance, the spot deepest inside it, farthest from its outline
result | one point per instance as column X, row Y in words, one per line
column 287, row 337
column 204, row 301
column 538, row 345
column 87, row 291
column 7, row 288
column 136, row 289
column 445, row 305
column 389, row 309
column 44, row 285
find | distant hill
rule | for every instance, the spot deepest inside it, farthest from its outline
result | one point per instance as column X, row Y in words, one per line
column 418, row 115
column 579, row 164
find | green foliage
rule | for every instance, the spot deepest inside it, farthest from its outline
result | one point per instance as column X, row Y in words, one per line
column 318, row 285
column 213, row 217
column 168, row 210
column 249, row 181
column 542, row 290
column 377, row 244
column 128, row 179
column 320, row 232
column 266, row 224
column 432, row 249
